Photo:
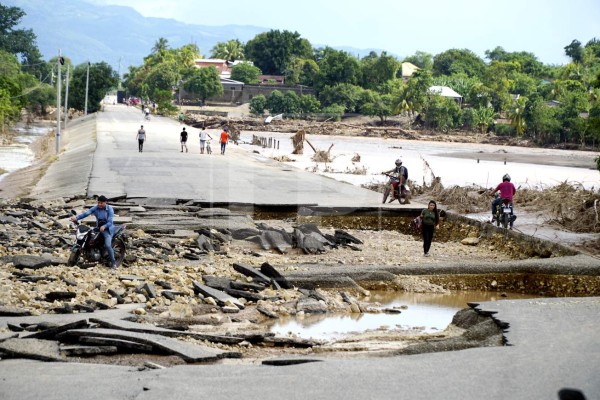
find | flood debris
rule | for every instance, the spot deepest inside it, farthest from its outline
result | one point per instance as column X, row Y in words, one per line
column 203, row 283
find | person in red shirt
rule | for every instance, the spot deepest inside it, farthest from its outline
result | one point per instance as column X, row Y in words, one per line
column 507, row 191
column 224, row 138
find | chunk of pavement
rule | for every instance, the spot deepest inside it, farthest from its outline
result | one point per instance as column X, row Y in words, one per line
column 261, row 240
column 131, row 278
column 266, row 311
column 311, row 245
column 291, row 342
column 247, row 286
column 271, row 272
column 116, row 295
column 65, row 309
column 283, row 361
column 217, row 282
column 321, row 238
column 278, row 241
column 164, row 285
column 14, row 328
column 87, row 351
column 84, row 308
column 253, row 273
column 343, row 237
column 308, row 228
column 204, row 243
column 35, row 349
column 146, row 328
column 220, row 297
column 118, row 343
column 348, row 298
column 7, row 311
column 97, row 304
column 31, row 262
column 60, row 295
column 187, row 351
column 216, row 235
column 310, row 305
column 51, row 333
column 150, row 290
column 245, row 295
column 244, row 233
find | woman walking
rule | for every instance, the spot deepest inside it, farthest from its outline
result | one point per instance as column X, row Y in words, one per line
column 430, row 218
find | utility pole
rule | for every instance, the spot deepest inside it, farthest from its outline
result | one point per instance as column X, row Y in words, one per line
column 67, row 97
column 59, row 63
column 87, row 84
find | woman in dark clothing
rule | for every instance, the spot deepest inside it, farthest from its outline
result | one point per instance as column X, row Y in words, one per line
column 430, row 218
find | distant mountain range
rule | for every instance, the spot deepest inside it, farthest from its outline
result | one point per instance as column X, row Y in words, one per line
column 120, row 35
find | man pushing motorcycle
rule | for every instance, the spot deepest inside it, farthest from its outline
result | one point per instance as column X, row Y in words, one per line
column 401, row 174
column 104, row 221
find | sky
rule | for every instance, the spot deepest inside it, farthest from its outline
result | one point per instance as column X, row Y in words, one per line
column 401, row 27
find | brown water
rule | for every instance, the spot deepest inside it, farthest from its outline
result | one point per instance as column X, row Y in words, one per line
column 424, row 312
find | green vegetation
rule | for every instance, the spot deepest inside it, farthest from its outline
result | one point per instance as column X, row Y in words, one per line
column 27, row 81
column 511, row 93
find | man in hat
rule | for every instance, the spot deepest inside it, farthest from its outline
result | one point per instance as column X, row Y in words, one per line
column 104, row 221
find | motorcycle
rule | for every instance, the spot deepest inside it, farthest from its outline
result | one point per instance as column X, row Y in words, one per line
column 401, row 193
column 89, row 245
column 505, row 214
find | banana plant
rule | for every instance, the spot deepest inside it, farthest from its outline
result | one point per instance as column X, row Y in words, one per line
column 483, row 117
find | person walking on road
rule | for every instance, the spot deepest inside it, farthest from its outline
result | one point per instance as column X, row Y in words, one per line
column 430, row 218
column 183, row 138
column 203, row 137
column 181, row 117
column 224, row 138
column 141, row 138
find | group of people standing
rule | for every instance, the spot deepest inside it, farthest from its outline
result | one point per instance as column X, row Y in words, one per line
column 204, row 137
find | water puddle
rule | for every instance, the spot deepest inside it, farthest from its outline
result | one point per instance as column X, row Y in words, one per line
column 422, row 312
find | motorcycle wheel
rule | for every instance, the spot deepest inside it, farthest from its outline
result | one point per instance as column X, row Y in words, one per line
column 73, row 258
column 504, row 220
column 119, row 249
column 386, row 194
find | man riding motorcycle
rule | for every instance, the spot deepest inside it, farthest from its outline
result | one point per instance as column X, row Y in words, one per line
column 104, row 221
column 401, row 173
column 507, row 191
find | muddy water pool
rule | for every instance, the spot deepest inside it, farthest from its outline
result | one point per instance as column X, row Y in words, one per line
column 420, row 312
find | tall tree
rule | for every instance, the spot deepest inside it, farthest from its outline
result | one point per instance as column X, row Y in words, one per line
column 336, row 67
column 231, row 50
column 245, row 72
column 102, row 79
column 204, row 83
column 574, row 51
column 517, row 115
column 376, row 70
column 273, row 51
column 161, row 45
column 458, row 61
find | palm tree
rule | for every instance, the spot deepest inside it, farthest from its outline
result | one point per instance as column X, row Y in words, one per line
column 160, row 45
column 231, row 50
column 517, row 118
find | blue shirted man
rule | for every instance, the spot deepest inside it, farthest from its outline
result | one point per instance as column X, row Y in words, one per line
column 104, row 220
